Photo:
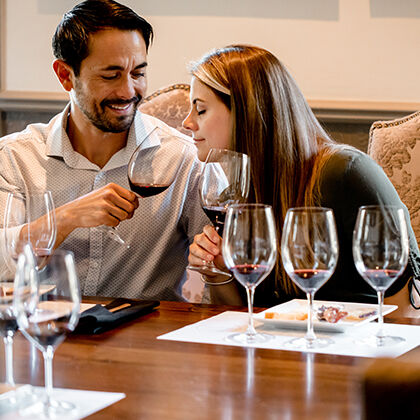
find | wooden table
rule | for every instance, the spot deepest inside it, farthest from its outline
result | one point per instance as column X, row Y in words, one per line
column 175, row 380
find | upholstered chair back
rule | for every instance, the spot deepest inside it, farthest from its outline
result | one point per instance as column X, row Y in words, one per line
column 395, row 145
column 170, row 104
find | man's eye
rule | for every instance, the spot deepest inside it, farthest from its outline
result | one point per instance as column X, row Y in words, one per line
column 138, row 75
column 114, row 76
column 201, row 112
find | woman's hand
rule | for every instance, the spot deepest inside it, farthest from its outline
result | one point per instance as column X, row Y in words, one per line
column 207, row 246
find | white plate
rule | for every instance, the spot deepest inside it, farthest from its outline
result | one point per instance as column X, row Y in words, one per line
column 300, row 306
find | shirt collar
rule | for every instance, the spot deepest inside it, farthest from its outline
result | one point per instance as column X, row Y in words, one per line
column 58, row 143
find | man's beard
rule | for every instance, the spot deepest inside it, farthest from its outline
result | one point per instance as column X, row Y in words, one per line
column 97, row 113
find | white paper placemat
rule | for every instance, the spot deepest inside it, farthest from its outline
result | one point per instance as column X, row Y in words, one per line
column 87, row 403
column 215, row 330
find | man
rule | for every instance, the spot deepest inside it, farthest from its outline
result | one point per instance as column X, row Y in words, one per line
column 81, row 156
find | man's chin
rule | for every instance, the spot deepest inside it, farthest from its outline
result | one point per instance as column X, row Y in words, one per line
column 119, row 125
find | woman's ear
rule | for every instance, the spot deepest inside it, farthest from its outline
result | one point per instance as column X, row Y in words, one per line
column 64, row 73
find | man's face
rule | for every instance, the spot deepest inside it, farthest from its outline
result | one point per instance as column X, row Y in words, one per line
column 112, row 79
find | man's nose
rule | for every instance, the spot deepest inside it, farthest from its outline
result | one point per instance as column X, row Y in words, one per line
column 126, row 88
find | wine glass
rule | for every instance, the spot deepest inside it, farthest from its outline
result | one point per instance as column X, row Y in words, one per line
column 309, row 250
column 47, row 304
column 224, row 181
column 42, row 226
column 152, row 168
column 380, row 252
column 20, row 211
column 249, row 249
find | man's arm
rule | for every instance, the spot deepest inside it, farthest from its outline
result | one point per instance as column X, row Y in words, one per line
column 108, row 205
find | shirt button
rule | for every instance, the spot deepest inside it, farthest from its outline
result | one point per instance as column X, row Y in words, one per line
column 95, row 264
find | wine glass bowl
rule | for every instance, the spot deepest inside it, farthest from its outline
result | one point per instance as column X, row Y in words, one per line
column 151, row 170
column 380, row 252
column 47, row 304
column 225, row 180
column 249, row 249
column 309, row 250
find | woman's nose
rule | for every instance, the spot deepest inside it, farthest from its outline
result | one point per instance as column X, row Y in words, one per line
column 188, row 123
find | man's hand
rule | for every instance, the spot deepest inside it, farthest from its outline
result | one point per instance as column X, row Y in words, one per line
column 108, row 205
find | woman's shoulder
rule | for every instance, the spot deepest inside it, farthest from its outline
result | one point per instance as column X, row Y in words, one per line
column 348, row 164
column 344, row 158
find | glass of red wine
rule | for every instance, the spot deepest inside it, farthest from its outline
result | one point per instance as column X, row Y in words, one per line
column 47, row 304
column 249, row 250
column 380, row 252
column 224, row 181
column 309, row 250
column 152, row 169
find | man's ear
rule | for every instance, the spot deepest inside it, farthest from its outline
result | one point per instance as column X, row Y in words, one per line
column 64, row 73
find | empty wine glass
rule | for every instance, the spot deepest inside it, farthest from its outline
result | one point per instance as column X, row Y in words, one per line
column 14, row 219
column 47, row 304
column 8, row 326
column 20, row 211
column 380, row 252
column 249, row 250
column 309, row 250
column 42, row 226
column 224, row 181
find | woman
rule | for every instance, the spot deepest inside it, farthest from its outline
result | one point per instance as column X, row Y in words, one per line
column 244, row 99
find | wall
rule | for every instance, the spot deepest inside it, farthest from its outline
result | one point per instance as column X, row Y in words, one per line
column 343, row 53
column 355, row 60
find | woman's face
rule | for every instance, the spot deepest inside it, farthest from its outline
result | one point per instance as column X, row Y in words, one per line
column 209, row 120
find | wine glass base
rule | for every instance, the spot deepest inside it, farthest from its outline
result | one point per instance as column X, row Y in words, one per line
column 384, row 341
column 210, row 270
column 303, row 343
column 244, row 338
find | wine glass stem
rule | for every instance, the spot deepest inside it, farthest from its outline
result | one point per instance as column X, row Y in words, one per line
column 380, row 333
column 310, row 335
column 250, row 295
column 48, row 358
column 8, row 350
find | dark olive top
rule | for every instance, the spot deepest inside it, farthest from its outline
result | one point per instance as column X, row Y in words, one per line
column 349, row 180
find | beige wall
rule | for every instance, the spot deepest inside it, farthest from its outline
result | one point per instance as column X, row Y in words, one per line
column 340, row 51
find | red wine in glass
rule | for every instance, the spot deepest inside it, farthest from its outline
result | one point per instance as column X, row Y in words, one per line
column 217, row 215
column 147, row 190
column 310, row 280
column 381, row 279
column 250, row 275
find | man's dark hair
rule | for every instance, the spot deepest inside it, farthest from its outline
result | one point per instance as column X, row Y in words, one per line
column 70, row 41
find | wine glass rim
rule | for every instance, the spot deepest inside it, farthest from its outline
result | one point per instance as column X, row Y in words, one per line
column 310, row 208
column 246, row 206
column 380, row 207
column 233, row 152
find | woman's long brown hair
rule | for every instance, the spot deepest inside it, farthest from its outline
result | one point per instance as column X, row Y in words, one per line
column 274, row 125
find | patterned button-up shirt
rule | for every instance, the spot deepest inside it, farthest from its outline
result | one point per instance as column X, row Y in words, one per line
column 42, row 158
